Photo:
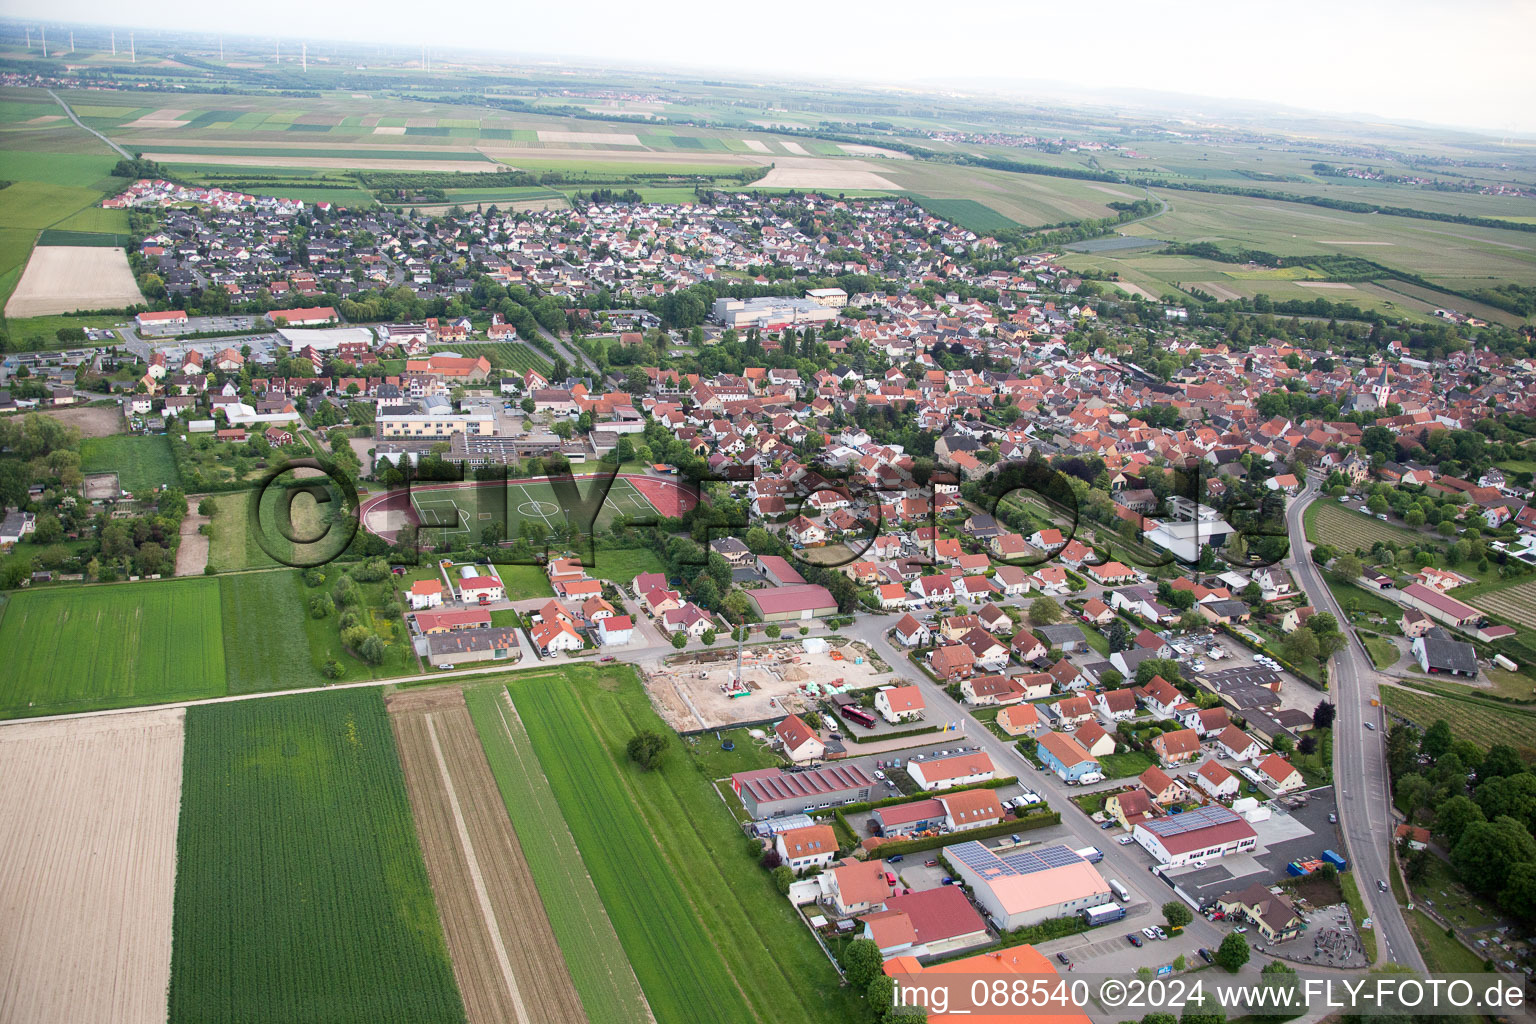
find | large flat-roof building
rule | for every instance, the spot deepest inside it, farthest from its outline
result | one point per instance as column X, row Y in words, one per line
column 771, row 313
column 1021, row 886
column 431, row 421
column 1202, row 833
column 1441, row 607
column 770, row 792
column 796, row 601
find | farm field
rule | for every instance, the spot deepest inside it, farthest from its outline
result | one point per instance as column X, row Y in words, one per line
column 262, row 613
column 112, row 645
column 142, row 461
column 966, row 213
column 88, row 823
column 1347, row 530
column 504, row 953
column 1027, row 199
column 502, row 355
column 1516, row 603
column 598, row 967
column 677, row 888
column 300, row 889
column 1455, row 254
column 1483, row 724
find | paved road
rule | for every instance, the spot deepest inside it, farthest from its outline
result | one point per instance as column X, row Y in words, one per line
column 1126, row 864
column 1359, row 755
column 79, row 124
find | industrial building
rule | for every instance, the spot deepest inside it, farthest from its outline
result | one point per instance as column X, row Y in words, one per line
column 1021, row 886
column 1199, row 834
column 796, row 601
column 771, row 313
column 431, row 418
column 770, row 792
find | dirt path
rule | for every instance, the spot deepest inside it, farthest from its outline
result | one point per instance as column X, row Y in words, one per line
column 192, row 553
column 505, row 957
column 88, row 816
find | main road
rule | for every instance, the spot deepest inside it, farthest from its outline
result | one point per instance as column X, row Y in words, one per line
column 1359, row 754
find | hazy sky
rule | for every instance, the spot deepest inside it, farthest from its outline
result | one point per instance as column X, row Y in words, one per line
column 1464, row 63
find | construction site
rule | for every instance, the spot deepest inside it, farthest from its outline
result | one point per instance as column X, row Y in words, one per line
column 736, row 686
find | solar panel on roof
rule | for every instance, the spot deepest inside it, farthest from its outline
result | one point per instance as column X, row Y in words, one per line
column 1190, row 821
column 991, row 864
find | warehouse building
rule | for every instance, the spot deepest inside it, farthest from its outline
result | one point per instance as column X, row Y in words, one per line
column 1200, row 834
column 464, row 645
column 771, row 313
column 1019, row 886
column 770, row 792
column 1440, row 607
column 797, row 601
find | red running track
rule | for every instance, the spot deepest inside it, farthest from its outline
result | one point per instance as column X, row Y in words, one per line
column 669, row 497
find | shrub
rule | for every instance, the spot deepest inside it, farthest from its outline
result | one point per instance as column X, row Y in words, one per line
column 647, row 749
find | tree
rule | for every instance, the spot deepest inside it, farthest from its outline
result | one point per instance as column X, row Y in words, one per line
column 647, row 749
column 47, row 530
column 1044, row 611
column 708, row 637
column 1437, row 740
column 1348, row 566
column 862, row 962
column 1323, row 715
column 1232, row 953
column 783, row 878
column 1454, row 817
column 1300, row 646
column 321, row 606
column 1488, row 852
column 881, row 993
column 332, row 669
column 372, row 651
column 679, row 640
column 1501, row 760
column 1177, row 914
column 1519, row 893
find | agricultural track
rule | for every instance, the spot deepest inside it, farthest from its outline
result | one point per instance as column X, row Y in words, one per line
column 505, row 958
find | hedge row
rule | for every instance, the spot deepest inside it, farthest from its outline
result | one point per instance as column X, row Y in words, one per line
column 924, row 794
column 924, row 731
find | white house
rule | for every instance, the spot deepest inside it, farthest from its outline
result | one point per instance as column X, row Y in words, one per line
column 808, row 848
column 555, row 635
column 1283, row 777
column 1237, row 744
column 615, row 629
column 1216, row 780
column 912, row 633
column 900, row 704
column 426, row 594
column 474, row 587
column 800, row 741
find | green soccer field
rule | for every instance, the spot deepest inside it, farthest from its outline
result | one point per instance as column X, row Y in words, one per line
column 452, row 513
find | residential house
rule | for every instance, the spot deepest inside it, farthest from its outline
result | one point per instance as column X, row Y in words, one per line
column 1176, row 747
column 900, row 703
column 799, row 740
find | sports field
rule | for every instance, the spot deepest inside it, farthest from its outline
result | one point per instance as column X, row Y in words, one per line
column 300, row 889
column 456, row 511
column 110, row 646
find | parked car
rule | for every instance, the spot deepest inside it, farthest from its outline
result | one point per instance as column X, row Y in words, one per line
column 1107, row 825
column 879, row 774
column 1158, row 931
column 1064, row 958
column 1134, row 940
column 946, row 880
column 896, row 859
column 1241, row 928
column 1205, row 954
column 1333, row 819
column 1149, row 933
column 1126, row 840
column 928, row 863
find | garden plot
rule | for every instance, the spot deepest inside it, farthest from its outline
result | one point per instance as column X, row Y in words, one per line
column 66, row 278
column 700, row 691
column 88, row 823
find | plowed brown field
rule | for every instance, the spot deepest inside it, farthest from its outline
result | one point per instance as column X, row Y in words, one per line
column 505, row 958
column 88, row 813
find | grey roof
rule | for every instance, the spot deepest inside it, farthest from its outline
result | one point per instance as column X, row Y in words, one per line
column 1450, row 656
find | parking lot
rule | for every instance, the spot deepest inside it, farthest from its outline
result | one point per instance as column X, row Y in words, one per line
column 1289, row 834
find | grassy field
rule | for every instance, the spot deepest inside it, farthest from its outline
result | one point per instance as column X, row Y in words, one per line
column 1383, row 653
column 524, row 581
column 263, row 613
column 599, row 968
column 700, row 922
column 1481, row 723
column 110, row 646
column 300, row 889
column 142, row 461
column 233, row 546
column 1126, row 765
column 622, row 565
column 457, row 512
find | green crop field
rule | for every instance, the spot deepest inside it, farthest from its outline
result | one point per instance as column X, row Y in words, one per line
column 502, row 355
column 300, row 889
column 1516, row 603
column 263, row 615
column 700, row 922
column 966, row 213
column 176, row 149
column 115, row 645
column 599, row 969
column 142, row 461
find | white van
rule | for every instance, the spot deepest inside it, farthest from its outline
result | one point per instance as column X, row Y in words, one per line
column 1121, row 893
